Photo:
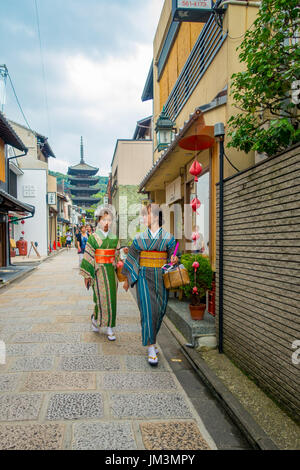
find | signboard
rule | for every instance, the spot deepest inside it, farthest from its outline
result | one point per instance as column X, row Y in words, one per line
column 192, row 10
column 52, row 199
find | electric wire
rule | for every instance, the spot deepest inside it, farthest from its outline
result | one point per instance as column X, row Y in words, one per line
column 19, row 104
column 236, row 169
column 43, row 65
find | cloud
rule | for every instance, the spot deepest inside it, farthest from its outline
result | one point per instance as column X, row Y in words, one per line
column 96, row 63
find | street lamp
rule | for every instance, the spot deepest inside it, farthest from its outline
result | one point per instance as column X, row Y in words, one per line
column 164, row 130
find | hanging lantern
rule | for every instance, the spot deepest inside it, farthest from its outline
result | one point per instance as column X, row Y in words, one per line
column 196, row 170
column 196, row 265
column 195, row 204
column 23, row 233
column 22, row 222
column 164, row 131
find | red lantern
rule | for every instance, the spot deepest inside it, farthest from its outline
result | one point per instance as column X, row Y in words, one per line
column 196, row 170
column 195, row 204
column 23, row 233
column 22, row 222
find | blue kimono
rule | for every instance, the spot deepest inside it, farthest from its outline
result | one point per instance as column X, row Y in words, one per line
column 151, row 293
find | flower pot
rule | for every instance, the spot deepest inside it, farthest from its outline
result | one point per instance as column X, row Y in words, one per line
column 197, row 311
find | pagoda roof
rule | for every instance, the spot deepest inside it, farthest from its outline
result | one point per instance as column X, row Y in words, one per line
column 88, row 179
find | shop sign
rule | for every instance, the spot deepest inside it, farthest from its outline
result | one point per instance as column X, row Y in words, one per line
column 192, row 10
column 52, row 199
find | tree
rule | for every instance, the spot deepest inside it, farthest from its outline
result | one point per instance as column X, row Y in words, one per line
column 269, row 121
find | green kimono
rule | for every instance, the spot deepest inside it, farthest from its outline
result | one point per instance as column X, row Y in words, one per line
column 104, row 280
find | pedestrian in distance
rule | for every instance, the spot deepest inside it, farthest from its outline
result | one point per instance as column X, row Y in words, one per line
column 149, row 252
column 98, row 269
column 89, row 229
column 82, row 239
column 68, row 239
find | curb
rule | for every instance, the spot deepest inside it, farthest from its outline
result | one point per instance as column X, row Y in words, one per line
column 25, row 274
column 254, row 434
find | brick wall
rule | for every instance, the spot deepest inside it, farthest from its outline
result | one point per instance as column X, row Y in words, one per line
column 262, row 274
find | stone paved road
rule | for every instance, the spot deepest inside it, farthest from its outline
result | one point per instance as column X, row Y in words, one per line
column 65, row 387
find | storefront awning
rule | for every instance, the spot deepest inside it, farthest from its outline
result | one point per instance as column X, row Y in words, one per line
column 9, row 203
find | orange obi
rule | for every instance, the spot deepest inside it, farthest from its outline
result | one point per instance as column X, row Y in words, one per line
column 105, row 256
column 153, row 259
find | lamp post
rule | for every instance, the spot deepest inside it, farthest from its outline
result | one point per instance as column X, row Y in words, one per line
column 164, row 131
column 219, row 134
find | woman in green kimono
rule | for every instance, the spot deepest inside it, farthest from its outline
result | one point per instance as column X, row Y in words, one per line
column 98, row 270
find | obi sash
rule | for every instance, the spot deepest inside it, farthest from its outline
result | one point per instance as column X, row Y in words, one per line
column 105, row 256
column 153, row 259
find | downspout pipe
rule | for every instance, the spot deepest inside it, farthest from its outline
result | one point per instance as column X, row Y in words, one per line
column 220, row 133
column 239, row 2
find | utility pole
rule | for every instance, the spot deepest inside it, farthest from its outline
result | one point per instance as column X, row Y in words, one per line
column 3, row 78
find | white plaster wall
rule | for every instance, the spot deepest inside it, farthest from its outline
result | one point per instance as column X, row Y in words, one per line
column 36, row 229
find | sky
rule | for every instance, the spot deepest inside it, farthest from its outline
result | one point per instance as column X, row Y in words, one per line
column 96, row 56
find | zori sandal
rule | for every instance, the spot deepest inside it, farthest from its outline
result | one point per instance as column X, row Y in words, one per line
column 110, row 334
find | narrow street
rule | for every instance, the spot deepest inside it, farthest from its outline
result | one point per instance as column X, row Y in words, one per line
column 65, row 387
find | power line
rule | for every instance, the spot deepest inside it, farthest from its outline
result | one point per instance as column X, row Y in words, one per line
column 19, row 104
column 43, row 65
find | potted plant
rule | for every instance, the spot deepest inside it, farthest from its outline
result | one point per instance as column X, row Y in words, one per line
column 201, row 276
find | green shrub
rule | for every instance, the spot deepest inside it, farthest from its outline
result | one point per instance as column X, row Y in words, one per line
column 63, row 241
column 202, row 279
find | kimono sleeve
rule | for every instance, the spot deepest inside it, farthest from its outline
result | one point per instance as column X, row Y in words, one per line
column 87, row 267
column 131, row 266
column 171, row 247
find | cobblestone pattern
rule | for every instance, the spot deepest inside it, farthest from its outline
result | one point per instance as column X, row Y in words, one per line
column 103, row 395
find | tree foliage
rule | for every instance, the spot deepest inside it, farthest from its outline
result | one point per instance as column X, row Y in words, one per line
column 269, row 121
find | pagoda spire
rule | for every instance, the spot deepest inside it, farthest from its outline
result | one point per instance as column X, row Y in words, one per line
column 81, row 151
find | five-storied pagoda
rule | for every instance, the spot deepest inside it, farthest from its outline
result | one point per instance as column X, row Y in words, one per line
column 83, row 182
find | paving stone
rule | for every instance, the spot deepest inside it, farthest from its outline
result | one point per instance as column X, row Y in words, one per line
column 8, row 382
column 50, row 328
column 77, row 363
column 128, row 328
column 135, row 381
column 75, row 406
column 18, row 326
column 31, row 437
column 129, row 321
column 60, row 381
column 72, row 319
column 46, row 338
column 116, row 348
column 27, row 321
column 146, row 405
column 58, row 349
column 103, row 436
column 172, row 436
column 23, row 349
column 20, row 407
column 139, row 363
column 23, row 364
column 83, row 327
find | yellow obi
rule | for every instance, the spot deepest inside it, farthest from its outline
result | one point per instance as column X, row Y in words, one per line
column 105, row 256
column 153, row 259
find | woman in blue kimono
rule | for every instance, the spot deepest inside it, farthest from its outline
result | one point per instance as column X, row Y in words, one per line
column 148, row 253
